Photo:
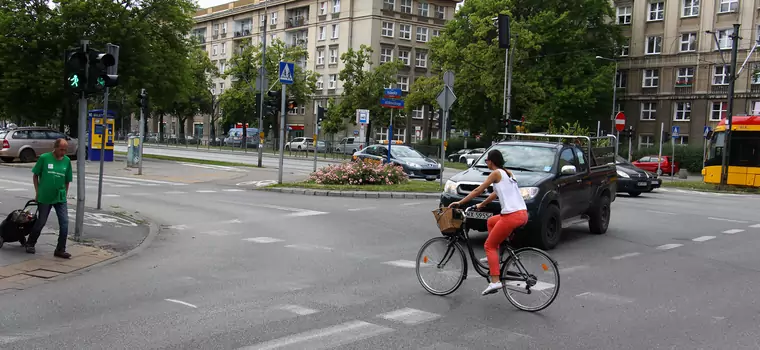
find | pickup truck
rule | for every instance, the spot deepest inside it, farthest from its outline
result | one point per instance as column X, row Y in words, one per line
column 562, row 184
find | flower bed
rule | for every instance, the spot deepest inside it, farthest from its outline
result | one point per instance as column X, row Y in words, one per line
column 359, row 173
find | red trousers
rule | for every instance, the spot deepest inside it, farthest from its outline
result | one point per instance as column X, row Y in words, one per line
column 500, row 227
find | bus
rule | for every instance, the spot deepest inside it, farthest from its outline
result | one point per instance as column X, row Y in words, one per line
column 744, row 159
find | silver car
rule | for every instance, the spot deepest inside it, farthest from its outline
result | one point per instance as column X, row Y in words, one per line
column 28, row 143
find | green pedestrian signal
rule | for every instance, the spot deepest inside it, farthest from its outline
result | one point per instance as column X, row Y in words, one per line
column 101, row 81
column 76, row 61
column 74, row 81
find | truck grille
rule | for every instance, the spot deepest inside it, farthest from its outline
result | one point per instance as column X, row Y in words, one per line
column 465, row 189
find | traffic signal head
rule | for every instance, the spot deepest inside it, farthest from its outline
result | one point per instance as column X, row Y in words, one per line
column 142, row 98
column 76, row 70
column 321, row 111
column 292, row 105
column 99, row 79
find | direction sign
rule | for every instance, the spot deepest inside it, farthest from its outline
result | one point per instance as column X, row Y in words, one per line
column 676, row 130
column 362, row 116
column 706, row 131
column 392, row 93
column 619, row 121
column 286, row 72
column 448, row 78
column 446, row 98
column 391, row 103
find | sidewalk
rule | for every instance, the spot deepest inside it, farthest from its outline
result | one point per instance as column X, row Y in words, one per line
column 268, row 153
column 106, row 236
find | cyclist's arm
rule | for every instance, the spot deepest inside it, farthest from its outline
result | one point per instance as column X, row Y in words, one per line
column 490, row 199
column 494, row 177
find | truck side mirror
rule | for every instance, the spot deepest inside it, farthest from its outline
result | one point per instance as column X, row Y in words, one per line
column 568, row 170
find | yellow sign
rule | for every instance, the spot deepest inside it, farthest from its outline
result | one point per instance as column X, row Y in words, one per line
column 261, row 135
column 97, row 129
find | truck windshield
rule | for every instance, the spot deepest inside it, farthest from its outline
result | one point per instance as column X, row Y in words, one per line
column 533, row 158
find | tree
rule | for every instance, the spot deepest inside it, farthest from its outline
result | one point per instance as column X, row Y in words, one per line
column 362, row 89
column 555, row 70
column 194, row 96
column 424, row 92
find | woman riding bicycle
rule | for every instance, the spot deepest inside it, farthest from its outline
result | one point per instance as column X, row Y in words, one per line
column 513, row 214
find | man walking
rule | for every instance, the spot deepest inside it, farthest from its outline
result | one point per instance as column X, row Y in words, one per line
column 52, row 176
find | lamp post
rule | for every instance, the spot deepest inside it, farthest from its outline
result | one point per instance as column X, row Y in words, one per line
column 614, row 90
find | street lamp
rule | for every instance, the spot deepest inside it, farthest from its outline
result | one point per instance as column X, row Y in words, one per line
column 614, row 90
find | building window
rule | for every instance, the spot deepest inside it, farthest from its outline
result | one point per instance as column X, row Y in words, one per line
column 333, row 83
column 422, row 9
column 323, row 8
column 625, row 48
column 321, row 33
column 213, row 50
column 684, row 76
column 421, row 59
column 406, row 6
column 273, row 20
column 224, row 48
column 651, row 78
column 621, row 79
column 654, row 45
column 333, row 55
column 440, row 12
column 335, row 31
column 387, row 29
column 720, row 75
column 754, row 107
column 624, row 15
column 403, row 55
column 728, row 6
column 724, row 39
column 646, row 141
column 435, row 33
column 648, row 110
column 389, row 4
column 386, row 55
column 422, row 34
column 690, row 8
column 688, row 42
column 398, row 135
column 320, row 83
column 221, row 88
column 222, row 66
column 718, row 111
column 336, row 6
column 656, row 11
column 683, row 111
column 320, row 56
column 405, row 31
column 681, row 140
column 403, row 82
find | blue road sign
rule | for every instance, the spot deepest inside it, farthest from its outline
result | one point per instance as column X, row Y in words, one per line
column 391, row 103
column 676, row 130
column 466, row 133
column 706, row 131
column 392, row 93
column 286, row 72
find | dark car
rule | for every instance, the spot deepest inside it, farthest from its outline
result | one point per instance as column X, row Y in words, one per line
column 561, row 184
column 414, row 163
column 631, row 179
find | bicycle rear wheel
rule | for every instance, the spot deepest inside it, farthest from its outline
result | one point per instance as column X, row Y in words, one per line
column 542, row 279
column 440, row 266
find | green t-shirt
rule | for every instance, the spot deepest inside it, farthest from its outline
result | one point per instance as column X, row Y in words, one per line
column 53, row 176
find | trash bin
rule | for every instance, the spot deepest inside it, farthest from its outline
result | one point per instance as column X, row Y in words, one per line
column 133, row 151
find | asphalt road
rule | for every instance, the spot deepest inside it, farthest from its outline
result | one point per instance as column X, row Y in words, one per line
column 257, row 270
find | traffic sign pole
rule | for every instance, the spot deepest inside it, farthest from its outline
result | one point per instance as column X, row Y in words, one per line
column 659, row 155
column 619, row 126
column 82, row 148
column 282, row 133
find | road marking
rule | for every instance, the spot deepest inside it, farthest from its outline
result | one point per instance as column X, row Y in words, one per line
column 360, row 209
column 755, row 226
column 260, row 183
column 16, row 182
column 144, row 180
column 220, row 233
column 402, row 263
column 409, row 316
column 729, row 220
column 118, row 186
column 669, row 246
column 308, row 213
column 9, row 339
column 572, row 268
column 661, row 212
column 214, row 167
column 233, row 221
column 262, row 240
column 732, row 231
column 175, row 192
column 124, row 182
column 177, row 227
column 142, row 194
column 182, row 302
column 539, row 286
column 298, row 310
column 605, row 298
column 325, row 338
column 627, row 255
column 17, row 189
column 703, row 238
column 410, row 204
column 309, row 247
column 233, row 190
column 111, row 195
column 205, row 191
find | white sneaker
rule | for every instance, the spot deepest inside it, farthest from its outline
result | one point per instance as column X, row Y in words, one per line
column 493, row 288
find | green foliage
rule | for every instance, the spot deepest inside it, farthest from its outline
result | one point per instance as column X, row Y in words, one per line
column 194, row 96
column 423, row 92
column 688, row 157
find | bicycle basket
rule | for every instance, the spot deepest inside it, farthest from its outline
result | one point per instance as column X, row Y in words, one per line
column 446, row 220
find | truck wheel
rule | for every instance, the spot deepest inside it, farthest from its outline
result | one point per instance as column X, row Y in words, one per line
column 600, row 216
column 550, row 230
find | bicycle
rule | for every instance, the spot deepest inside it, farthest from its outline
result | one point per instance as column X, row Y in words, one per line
column 517, row 281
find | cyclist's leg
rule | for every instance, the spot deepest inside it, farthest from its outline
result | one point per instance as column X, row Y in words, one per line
column 502, row 229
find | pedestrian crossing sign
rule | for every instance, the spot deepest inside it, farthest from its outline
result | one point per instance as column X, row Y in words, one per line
column 286, row 72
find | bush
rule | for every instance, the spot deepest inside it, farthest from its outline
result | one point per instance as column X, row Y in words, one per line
column 359, row 173
column 689, row 157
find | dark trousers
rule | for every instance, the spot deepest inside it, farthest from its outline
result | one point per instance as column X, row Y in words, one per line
column 43, row 210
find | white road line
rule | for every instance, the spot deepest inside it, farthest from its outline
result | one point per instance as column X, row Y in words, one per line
column 262, row 240
column 703, row 238
column 175, row 192
column 220, row 233
column 111, row 195
column 182, row 302
column 573, row 268
column 205, row 191
column 603, row 297
column 17, row 189
column 17, row 182
column 144, row 180
column 661, row 212
column 325, row 338
column 125, row 182
column 117, row 186
column 729, row 220
column 627, row 255
column 308, row 213
column 298, row 310
column 9, row 339
column 755, row 226
column 402, row 263
column 732, row 231
column 409, row 316
column 233, row 190
column 178, row 227
column 668, row 246
column 309, row 247
column 411, row 204
column 360, row 209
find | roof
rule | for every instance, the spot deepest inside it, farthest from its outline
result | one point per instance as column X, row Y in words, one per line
column 742, row 120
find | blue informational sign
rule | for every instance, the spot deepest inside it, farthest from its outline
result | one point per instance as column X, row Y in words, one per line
column 391, row 103
column 286, row 72
column 676, row 130
column 392, row 93
column 706, row 131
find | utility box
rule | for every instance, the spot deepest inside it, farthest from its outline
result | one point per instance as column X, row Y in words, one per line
column 98, row 128
column 133, row 151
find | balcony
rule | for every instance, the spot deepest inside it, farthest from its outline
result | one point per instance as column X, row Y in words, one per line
column 242, row 32
column 296, row 22
column 298, row 42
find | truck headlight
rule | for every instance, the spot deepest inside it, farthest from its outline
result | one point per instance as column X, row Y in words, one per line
column 622, row 174
column 450, row 187
column 528, row 192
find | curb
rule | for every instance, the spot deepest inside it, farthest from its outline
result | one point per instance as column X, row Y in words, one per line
column 265, row 155
column 354, row 194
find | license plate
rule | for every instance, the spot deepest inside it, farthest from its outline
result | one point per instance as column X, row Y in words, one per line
column 642, row 184
column 482, row 215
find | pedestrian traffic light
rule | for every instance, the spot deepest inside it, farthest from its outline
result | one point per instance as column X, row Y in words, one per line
column 142, row 99
column 76, row 70
column 292, row 105
column 503, row 31
column 321, row 111
column 275, row 100
column 99, row 79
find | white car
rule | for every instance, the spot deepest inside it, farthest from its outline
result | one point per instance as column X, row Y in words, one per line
column 300, row 144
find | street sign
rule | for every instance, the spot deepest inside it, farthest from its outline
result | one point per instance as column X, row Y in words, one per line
column 446, row 98
column 392, row 93
column 362, row 116
column 676, row 130
column 356, row 132
column 619, row 121
column 286, row 72
column 706, row 131
column 391, row 103
column 448, row 79
column 466, row 133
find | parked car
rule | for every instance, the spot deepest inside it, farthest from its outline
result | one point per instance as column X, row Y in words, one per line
column 631, row 179
column 470, row 157
column 349, row 145
column 28, row 143
column 414, row 163
column 561, row 184
column 454, row 157
column 300, row 144
column 649, row 163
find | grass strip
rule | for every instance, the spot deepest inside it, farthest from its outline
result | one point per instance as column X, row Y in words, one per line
column 411, row 186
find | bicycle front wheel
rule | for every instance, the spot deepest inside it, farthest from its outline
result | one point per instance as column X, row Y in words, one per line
column 531, row 282
column 440, row 266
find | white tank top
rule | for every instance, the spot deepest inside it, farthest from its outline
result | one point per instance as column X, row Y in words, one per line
column 509, row 194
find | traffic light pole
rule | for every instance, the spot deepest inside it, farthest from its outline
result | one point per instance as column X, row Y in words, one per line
column 102, row 146
column 261, row 79
column 81, row 149
column 142, row 138
column 730, row 111
column 659, row 155
column 316, row 139
column 282, row 133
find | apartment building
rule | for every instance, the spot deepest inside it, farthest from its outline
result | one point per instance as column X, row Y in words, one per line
column 395, row 29
column 673, row 70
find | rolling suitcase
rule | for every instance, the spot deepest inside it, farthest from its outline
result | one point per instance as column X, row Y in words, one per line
column 18, row 224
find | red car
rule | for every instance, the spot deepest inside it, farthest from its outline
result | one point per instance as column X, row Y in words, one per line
column 649, row 163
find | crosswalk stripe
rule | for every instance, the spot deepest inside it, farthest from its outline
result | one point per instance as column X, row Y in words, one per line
column 122, row 181
column 145, row 180
column 325, row 338
column 409, row 316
